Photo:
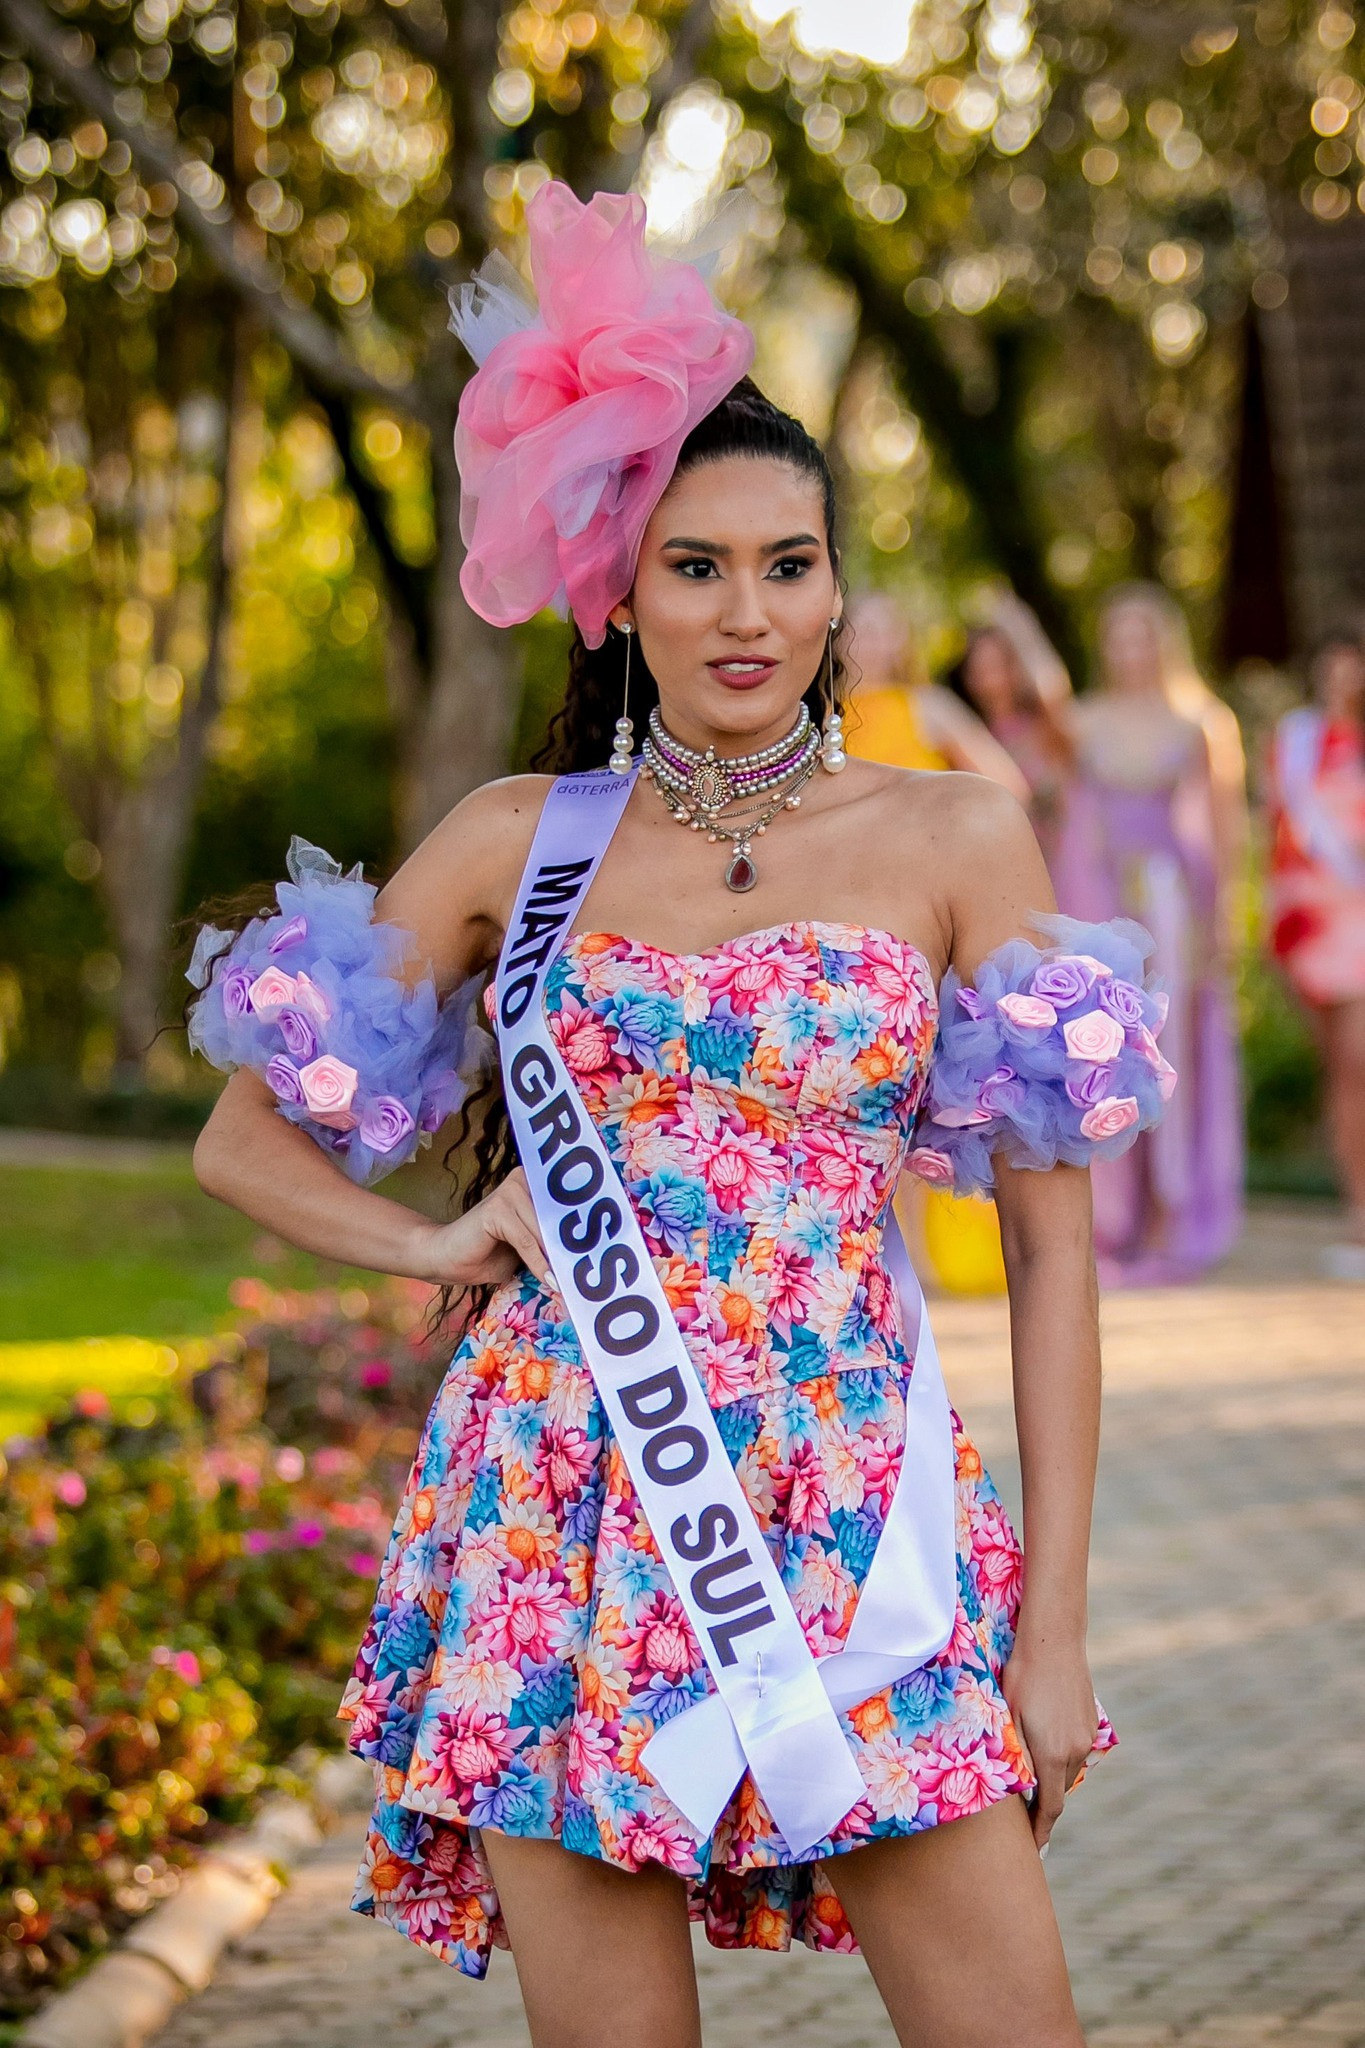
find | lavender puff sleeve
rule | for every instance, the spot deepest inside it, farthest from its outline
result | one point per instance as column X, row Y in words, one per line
column 1052, row 1055
column 316, row 1001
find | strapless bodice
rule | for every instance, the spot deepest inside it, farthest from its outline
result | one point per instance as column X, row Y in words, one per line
column 757, row 1100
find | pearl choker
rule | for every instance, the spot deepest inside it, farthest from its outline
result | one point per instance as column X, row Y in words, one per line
column 697, row 787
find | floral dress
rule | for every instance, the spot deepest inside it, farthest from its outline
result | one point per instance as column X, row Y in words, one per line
column 759, row 1101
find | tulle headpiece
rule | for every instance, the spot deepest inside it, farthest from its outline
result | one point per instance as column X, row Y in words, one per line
column 570, row 429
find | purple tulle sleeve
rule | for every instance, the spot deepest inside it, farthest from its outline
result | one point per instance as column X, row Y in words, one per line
column 1052, row 1056
column 314, row 999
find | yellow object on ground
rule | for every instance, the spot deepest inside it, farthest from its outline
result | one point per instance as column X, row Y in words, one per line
column 962, row 1239
column 884, row 725
column 959, row 1237
column 36, row 1379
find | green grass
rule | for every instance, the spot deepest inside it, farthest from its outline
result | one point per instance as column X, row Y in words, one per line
column 90, row 1254
column 85, row 1253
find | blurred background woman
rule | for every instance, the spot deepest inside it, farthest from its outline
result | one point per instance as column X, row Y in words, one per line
column 1154, row 827
column 1016, row 683
column 899, row 719
column 1317, row 902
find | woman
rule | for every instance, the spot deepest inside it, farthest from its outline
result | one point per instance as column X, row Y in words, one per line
column 726, row 1090
column 1017, row 685
column 1317, row 902
column 907, row 724
column 1154, row 828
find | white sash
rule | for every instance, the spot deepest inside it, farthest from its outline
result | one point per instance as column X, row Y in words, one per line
column 1298, row 755
column 773, row 1709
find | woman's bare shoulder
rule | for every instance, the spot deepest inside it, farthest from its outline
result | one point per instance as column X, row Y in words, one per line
column 456, row 889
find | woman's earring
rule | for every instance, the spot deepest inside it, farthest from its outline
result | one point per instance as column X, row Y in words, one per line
column 832, row 755
column 621, row 762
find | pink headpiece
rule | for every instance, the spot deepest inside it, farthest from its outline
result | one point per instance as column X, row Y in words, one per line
column 569, row 431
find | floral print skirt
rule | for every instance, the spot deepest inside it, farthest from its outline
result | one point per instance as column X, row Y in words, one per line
column 526, row 1642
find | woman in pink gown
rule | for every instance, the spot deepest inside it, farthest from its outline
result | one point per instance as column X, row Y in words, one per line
column 1153, row 828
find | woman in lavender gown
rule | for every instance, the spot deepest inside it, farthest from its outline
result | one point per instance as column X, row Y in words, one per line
column 1153, row 827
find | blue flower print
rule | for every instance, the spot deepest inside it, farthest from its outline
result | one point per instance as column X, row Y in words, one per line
column 407, row 1641
column 582, row 1518
column 662, row 1698
column 515, row 1432
column 642, row 1021
column 855, row 1018
column 738, row 1425
column 790, row 1025
column 579, row 1831
column 484, row 1496
column 719, row 1048
column 519, row 1804
column 677, row 1203
column 856, row 1535
column 617, row 1795
column 863, row 1391
column 812, row 1227
column 919, row 1699
column 626, row 1579
column 546, row 1698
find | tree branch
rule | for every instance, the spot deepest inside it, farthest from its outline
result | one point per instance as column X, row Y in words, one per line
column 308, row 339
column 408, row 587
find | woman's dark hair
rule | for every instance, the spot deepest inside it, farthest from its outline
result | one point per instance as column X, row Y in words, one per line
column 745, row 423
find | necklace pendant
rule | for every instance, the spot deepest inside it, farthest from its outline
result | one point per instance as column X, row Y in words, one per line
column 710, row 787
column 741, row 874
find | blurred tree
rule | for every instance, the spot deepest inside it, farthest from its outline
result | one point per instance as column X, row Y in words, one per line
column 113, row 566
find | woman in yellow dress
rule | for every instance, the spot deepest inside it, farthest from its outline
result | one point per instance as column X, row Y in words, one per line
column 908, row 723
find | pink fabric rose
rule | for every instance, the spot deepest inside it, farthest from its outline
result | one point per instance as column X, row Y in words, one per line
column 270, row 991
column 310, row 999
column 329, row 1087
column 1165, row 1073
column 956, row 1118
column 934, row 1167
column 1095, row 1037
column 1027, row 1013
column 1098, row 968
column 1116, row 1113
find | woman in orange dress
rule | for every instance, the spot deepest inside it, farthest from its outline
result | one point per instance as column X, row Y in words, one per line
column 1317, row 899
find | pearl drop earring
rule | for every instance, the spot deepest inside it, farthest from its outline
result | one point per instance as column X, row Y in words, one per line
column 832, row 755
column 621, row 762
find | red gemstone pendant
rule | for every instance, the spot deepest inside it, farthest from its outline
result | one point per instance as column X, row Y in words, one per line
column 741, row 873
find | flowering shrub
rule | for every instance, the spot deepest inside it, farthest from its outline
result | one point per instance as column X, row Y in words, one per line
column 181, row 1602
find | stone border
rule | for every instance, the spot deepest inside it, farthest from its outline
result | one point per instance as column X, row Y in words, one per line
column 128, row 1996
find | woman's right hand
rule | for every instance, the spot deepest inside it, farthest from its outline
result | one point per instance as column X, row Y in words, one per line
column 490, row 1243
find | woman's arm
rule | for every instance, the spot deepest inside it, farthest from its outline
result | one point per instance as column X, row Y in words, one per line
column 1045, row 1231
column 966, row 742
column 454, row 895
column 1045, row 1227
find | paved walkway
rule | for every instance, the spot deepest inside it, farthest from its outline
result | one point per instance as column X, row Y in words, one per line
column 1211, row 1876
